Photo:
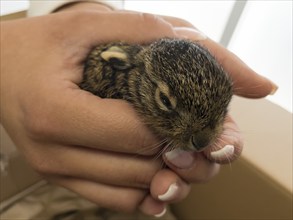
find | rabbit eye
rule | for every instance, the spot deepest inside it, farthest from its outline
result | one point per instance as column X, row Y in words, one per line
column 165, row 100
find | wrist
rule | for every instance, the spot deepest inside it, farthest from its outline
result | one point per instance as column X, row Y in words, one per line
column 79, row 6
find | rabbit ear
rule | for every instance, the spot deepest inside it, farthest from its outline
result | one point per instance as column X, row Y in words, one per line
column 116, row 57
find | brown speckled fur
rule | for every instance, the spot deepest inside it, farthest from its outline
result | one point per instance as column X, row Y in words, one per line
column 188, row 72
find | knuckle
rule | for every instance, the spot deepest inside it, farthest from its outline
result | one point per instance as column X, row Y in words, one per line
column 182, row 22
column 152, row 21
column 78, row 16
column 47, row 163
column 34, row 127
column 40, row 123
column 38, row 127
column 142, row 181
column 150, row 18
column 41, row 166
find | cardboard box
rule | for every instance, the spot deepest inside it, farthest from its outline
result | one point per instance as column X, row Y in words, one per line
column 259, row 185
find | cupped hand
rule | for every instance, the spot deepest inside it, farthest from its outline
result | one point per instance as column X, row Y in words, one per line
column 96, row 147
column 195, row 167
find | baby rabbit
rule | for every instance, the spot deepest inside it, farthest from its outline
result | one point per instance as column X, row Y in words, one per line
column 175, row 85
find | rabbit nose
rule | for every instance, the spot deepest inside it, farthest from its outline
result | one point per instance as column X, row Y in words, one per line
column 200, row 141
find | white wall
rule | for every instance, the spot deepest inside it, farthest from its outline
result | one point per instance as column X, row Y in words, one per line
column 7, row 6
column 263, row 39
column 209, row 16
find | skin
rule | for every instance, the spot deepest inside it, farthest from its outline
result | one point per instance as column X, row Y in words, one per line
column 57, row 126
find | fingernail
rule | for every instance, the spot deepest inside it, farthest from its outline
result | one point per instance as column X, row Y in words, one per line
column 190, row 33
column 225, row 152
column 180, row 158
column 161, row 214
column 274, row 88
column 171, row 192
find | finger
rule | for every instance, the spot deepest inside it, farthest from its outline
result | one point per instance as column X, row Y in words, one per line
column 127, row 134
column 94, row 165
column 200, row 170
column 228, row 146
column 225, row 149
column 151, row 206
column 177, row 22
column 133, row 27
column 75, row 117
column 246, row 82
column 107, row 196
column 166, row 186
column 113, row 197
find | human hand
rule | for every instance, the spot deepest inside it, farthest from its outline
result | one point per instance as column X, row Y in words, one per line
column 71, row 137
column 246, row 83
column 57, row 143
